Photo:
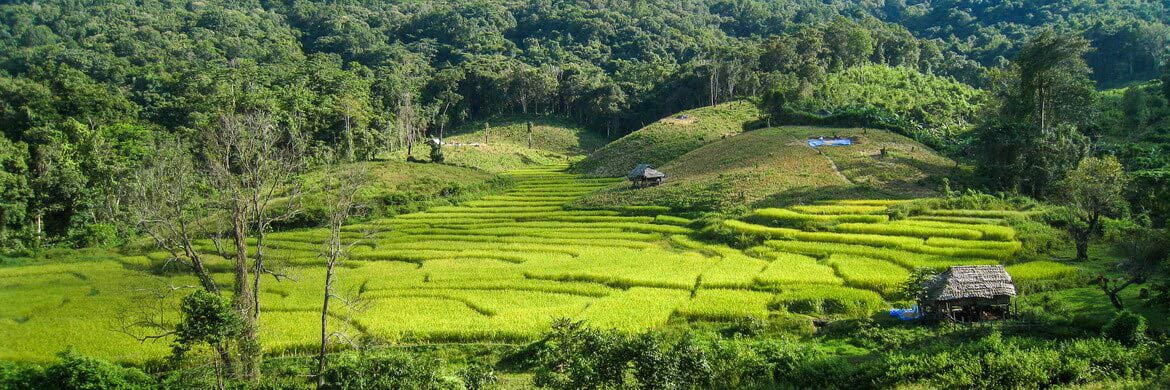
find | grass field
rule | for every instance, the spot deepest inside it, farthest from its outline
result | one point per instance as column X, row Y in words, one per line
column 502, row 267
column 775, row 167
column 663, row 141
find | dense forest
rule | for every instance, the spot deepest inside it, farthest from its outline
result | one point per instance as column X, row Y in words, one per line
column 85, row 86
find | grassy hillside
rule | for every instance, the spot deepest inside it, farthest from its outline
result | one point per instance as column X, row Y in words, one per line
column 396, row 186
column 669, row 138
column 503, row 145
column 776, row 166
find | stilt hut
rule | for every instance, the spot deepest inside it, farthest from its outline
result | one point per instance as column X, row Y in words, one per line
column 645, row 175
column 970, row 293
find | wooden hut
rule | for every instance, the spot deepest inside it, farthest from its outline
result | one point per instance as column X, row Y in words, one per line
column 970, row 293
column 645, row 175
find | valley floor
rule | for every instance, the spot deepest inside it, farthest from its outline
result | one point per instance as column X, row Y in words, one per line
column 503, row 267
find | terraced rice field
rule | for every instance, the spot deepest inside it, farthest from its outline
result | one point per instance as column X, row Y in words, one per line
column 501, row 268
column 866, row 250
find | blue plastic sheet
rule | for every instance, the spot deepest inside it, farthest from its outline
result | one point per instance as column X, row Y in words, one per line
column 815, row 142
column 906, row 314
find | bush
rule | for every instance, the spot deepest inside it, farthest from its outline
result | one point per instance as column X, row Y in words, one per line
column 478, row 377
column 20, row 376
column 1126, row 327
column 75, row 371
column 391, row 370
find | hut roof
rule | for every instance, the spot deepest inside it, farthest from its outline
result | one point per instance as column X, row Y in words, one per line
column 972, row 281
column 645, row 171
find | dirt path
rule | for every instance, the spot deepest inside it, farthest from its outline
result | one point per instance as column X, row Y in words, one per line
column 830, row 160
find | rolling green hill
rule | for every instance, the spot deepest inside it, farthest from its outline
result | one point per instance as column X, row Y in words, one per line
column 775, row 166
column 669, row 138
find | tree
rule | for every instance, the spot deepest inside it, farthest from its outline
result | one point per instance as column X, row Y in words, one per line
column 167, row 201
column 207, row 318
column 252, row 163
column 340, row 191
column 1145, row 252
column 443, row 95
column 14, row 188
column 1091, row 191
column 1054, row 87
column 1135, row 107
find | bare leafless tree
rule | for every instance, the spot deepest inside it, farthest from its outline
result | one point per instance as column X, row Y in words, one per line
column 166, row 201
column 340, row 191
column 254, row 164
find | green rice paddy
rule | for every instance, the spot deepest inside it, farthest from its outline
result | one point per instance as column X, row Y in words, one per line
column 503, row 267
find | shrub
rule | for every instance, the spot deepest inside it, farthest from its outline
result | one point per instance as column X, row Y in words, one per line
column 1126, row 327
column 20, row 376
column 479, row 377
column 75, row 371
column 391, row 370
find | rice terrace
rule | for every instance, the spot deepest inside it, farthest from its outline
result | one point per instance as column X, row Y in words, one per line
column 701, row 194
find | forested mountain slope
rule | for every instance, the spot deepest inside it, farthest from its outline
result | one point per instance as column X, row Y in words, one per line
column 85, row 84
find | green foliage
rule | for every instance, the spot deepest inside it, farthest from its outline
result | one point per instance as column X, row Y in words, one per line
column 75, row 371
column 383, row 370
column 1127, row 328
column 206, row 319
column 479, row 376
column 930, row 109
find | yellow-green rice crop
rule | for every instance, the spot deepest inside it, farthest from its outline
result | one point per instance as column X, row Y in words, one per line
column 636, row 309
column 909, row 230
column 733, row 271
column 838, row 209
column 716, row 304
column 793, row 216
column 1011, row 246
column 979, row 213
column 787, row 269
column 904, row 258
column 863, row 202
column 990, row 232
column 870, row 274
column 966, row 220
column 831, row 300
column 1040, row 270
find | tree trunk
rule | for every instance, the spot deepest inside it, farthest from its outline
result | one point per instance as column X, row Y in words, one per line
column 226, row 358
column 321, row 358
column 243, row 299
column 1082, row 244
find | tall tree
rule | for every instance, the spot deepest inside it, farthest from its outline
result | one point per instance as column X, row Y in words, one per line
column 1054, row 87
column 1046, row 100
column 340, row 191
column 442, row 94
column 14, row 188
column 1092, row 191
column 253, row 163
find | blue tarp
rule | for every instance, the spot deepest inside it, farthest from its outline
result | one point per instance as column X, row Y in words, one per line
column 815, row 142
column 906, row 314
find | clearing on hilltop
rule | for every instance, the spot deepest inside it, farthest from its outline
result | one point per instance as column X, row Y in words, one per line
column 778, row 166
column 669, row 138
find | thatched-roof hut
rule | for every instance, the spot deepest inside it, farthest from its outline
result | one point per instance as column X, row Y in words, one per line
column 645, row 175
column 970, row 293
